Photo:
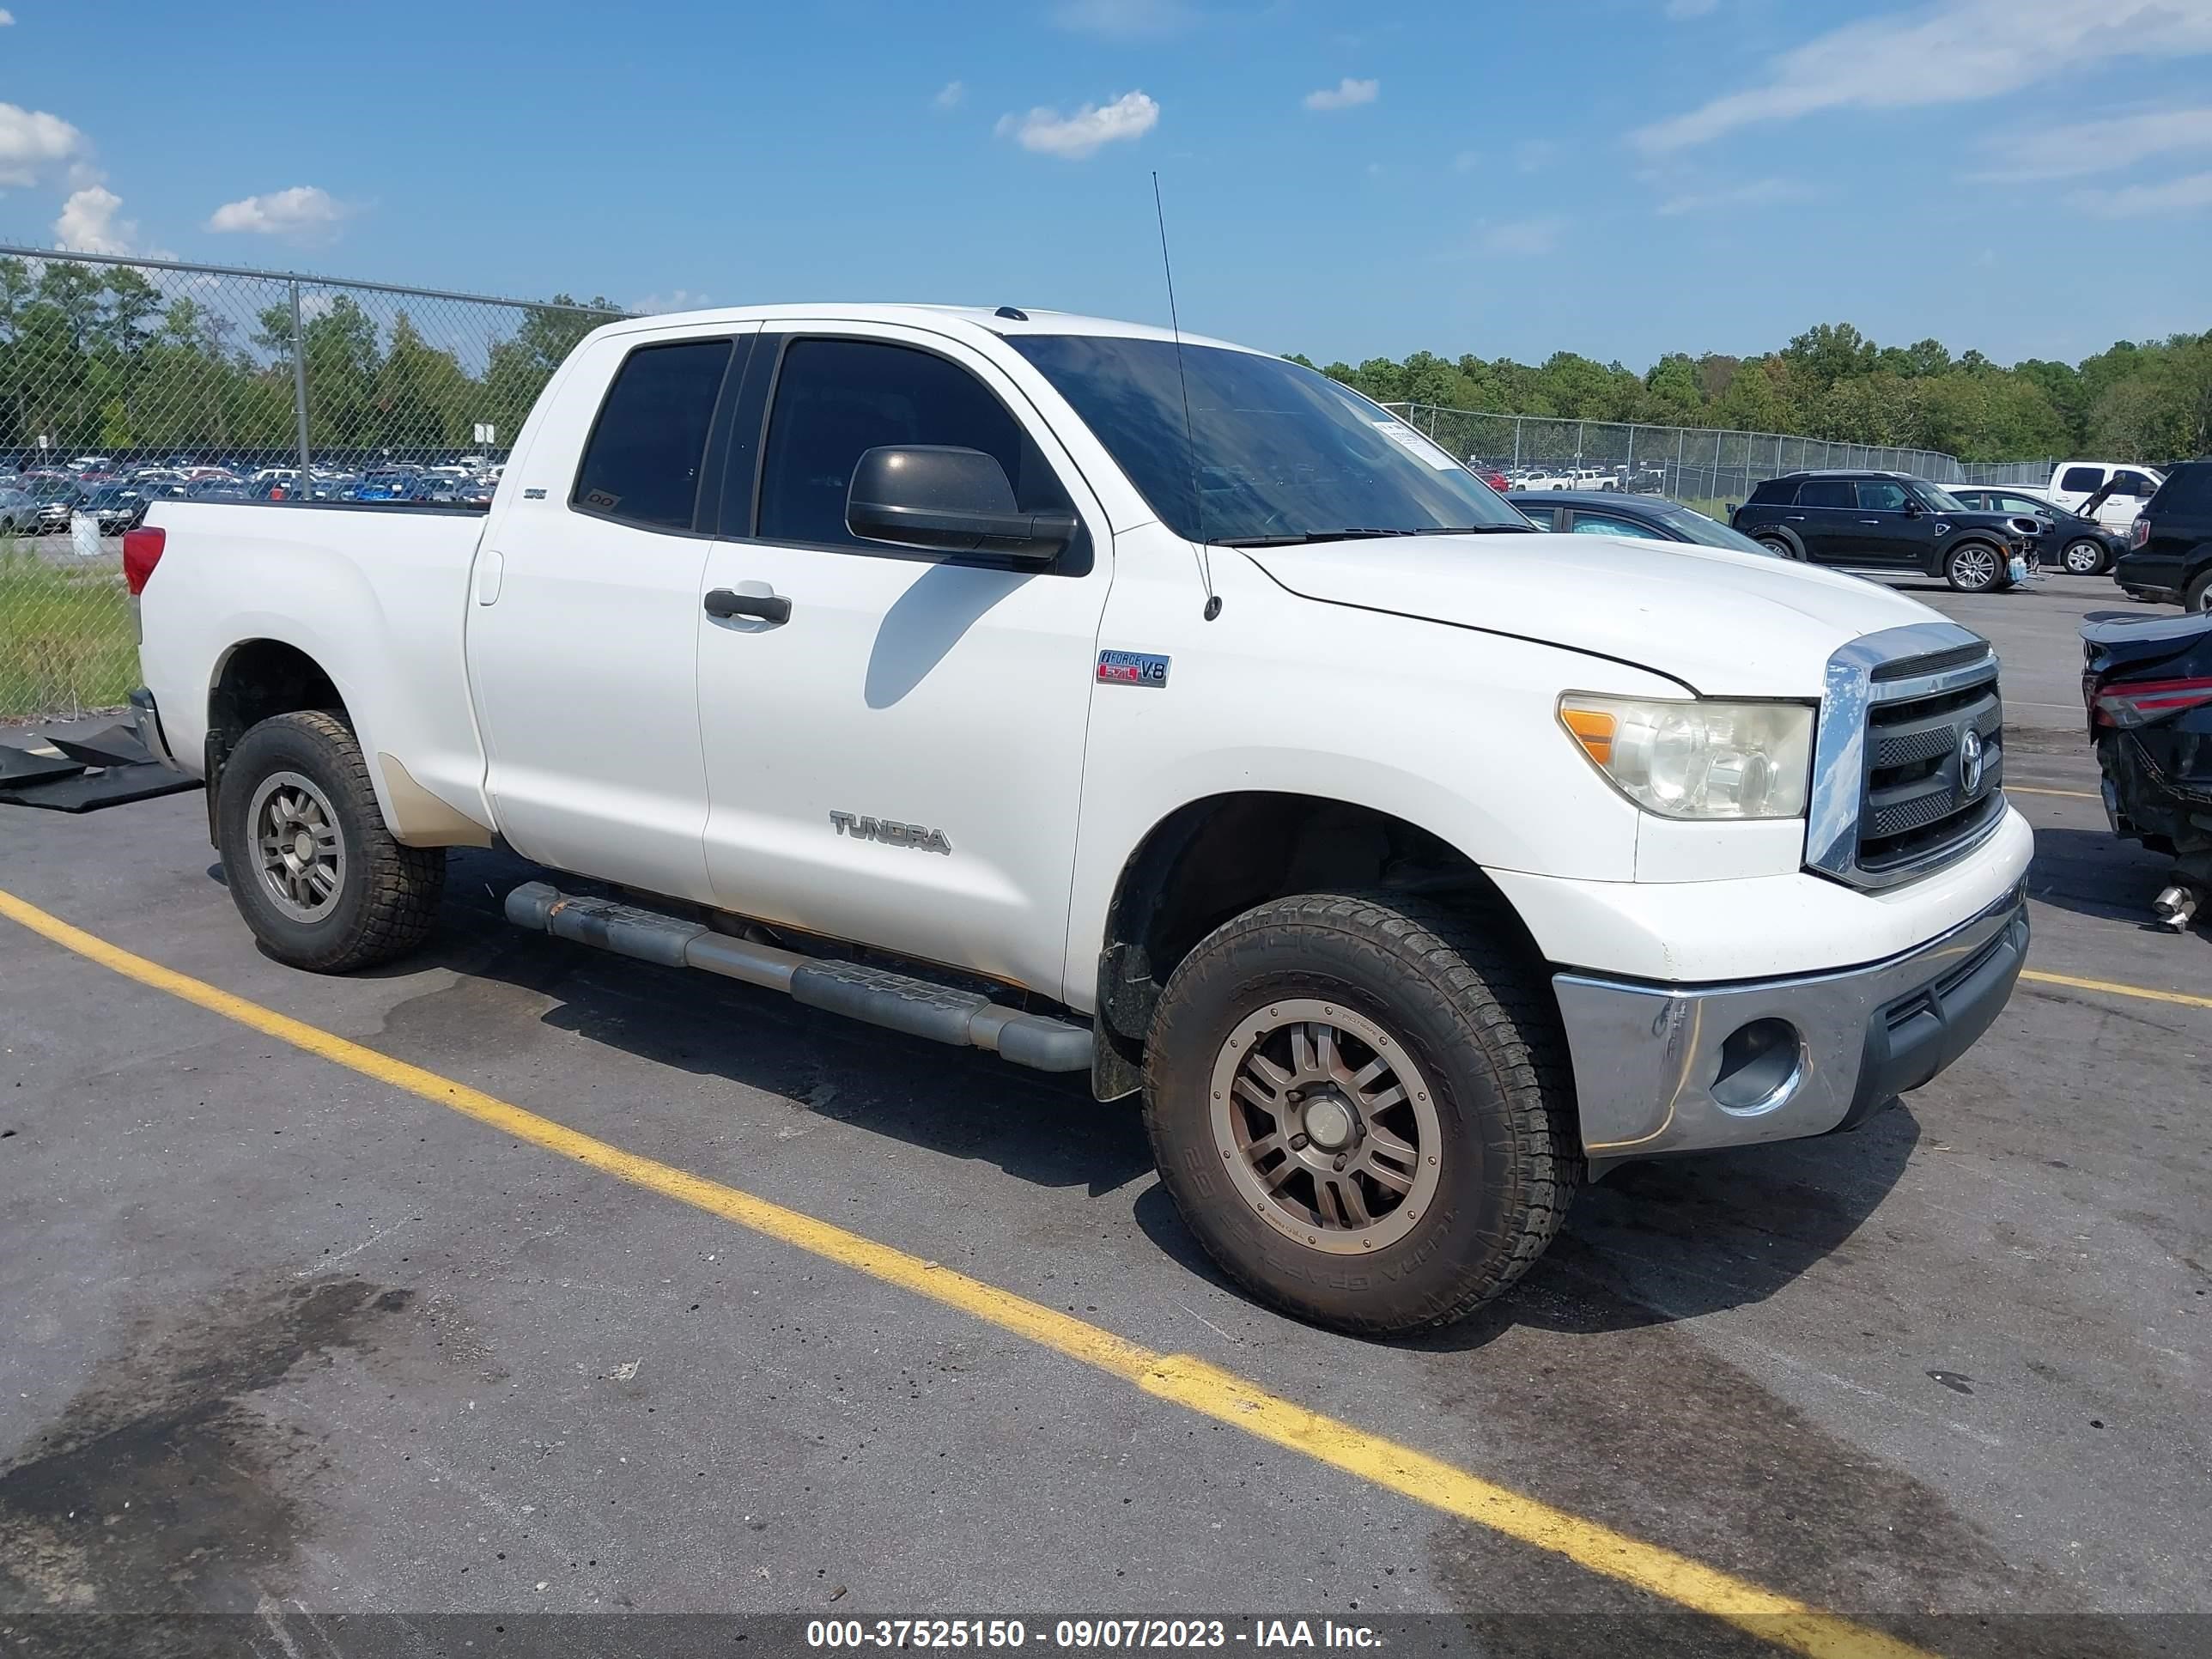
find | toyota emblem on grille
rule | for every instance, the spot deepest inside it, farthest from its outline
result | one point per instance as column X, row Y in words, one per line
column 1969, row 762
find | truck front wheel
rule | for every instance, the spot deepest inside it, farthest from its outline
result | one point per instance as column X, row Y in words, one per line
column 1362, row 1107
column 309, row 862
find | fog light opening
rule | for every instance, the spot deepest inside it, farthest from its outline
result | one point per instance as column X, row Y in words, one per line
column 1760, row 1065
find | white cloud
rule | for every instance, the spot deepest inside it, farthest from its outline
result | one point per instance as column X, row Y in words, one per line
column 1520, row 236
column 2193, row 191
column 1346, row 93
column 1124, row 19
column 89, row 223
column 1075, row 137
column 676, row 298
column 304, row 211
column 949, row 95
column 7, row 18
column 1681, row 11
column 34, row 143
column 1534, row 154
column 2067, row 152
column 1466, row 161
column 1760, row 192
column 1952, row 52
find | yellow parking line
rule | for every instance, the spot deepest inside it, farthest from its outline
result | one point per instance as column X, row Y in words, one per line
column 2111, row 988
column 1180, row 1378
column 2070, row 794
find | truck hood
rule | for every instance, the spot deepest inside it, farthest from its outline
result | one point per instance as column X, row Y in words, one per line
column 1724, row 623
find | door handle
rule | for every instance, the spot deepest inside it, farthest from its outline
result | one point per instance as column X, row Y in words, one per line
column 1870, row 520
column 1795, row 517
column 722, row 604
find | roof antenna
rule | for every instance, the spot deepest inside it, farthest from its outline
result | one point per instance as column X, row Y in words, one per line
column 1203, row 549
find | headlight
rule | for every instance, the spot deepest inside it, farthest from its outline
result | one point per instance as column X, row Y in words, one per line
column 1697, row 760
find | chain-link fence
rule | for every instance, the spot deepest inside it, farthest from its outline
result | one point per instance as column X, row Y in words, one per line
column 1704, row 467
column 125, row 380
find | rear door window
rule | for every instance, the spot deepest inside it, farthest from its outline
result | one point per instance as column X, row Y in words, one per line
column 1823, row 492
column 641, row 461
column 1881, row 496
column 2083, row 478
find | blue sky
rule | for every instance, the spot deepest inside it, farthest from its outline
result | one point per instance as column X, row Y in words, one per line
column 1616, row 177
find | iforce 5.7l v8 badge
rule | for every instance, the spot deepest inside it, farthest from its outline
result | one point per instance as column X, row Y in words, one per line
column 1132, row 668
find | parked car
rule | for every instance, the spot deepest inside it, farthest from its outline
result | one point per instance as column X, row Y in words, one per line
column 19, row 513
column 2169, row 553
column 1482, row 470
column 2127, row 488
column 115, row 507
column 1616, row 858
column 56, row 506
column 2079, row 546
column 2147, row 683
column 1641, row 518
column 1891, row 523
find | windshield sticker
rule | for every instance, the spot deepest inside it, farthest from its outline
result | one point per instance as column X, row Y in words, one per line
column 1415, row 445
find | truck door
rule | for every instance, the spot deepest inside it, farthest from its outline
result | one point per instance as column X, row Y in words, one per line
column 583, row 638
column 894, row 737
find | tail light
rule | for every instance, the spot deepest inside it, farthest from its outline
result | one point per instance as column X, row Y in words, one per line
column 2139, row 533
column 2143, row 702
column 142, row 551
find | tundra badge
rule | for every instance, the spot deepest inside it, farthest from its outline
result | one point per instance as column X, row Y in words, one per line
column 891, row 834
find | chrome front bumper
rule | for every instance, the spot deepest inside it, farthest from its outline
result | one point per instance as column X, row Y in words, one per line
column 1661, row 1068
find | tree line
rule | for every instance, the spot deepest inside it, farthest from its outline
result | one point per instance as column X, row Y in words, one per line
column 98, row 358
column 2149, row 402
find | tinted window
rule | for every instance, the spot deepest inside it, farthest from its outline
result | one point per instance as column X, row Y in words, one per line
column 641, row 464
column 2083, row 478
column 2018, row 504
column 837, row 399
column 2132, row 483
column 1774, row 490
column 1544, row 517
column 1823, row 492
column 1268, row 448
column 1881, row 497
column 1597, row 524
column 2187, row 488
column 1691, row 525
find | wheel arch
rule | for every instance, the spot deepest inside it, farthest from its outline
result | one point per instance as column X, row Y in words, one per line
column 1775, row 533
column 1218, row 856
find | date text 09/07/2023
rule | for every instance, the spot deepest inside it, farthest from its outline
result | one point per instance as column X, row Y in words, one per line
column 1089, row 1635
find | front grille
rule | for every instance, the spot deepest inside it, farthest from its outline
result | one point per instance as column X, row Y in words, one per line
column 1916, row 803
column 1894, row 793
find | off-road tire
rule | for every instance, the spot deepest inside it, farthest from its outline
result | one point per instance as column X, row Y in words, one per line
column 387, row 902
column 1456, row 989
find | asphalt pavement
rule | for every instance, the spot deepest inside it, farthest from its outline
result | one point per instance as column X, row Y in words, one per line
column 281, row 1335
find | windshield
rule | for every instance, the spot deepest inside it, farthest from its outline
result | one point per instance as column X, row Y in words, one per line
column 1694, row 524
column 1274, row 450
column 1941, row 499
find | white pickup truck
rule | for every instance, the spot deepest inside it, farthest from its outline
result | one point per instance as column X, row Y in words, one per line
column 1146, row 707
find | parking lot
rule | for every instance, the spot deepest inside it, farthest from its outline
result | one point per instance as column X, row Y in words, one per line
column 489, row 1287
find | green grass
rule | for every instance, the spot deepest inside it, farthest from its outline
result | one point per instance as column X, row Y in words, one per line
column 67, row 639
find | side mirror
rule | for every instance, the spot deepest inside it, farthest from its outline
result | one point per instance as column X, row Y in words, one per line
column 947, row 500
column 1912, row 508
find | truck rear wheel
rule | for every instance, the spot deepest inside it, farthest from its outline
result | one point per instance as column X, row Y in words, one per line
column 1362, row 1107
column 310, row 864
